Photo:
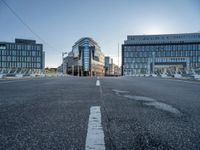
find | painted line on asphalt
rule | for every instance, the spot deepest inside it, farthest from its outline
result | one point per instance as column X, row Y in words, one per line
column 140, row 98
column 119, row 91
column 163, row 106
column 95, row 134
column 98, row 83
column 153, row 102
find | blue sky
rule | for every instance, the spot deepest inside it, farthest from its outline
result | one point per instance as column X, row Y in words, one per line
column 62, row 22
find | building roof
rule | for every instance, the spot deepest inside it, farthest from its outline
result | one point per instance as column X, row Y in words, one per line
column 81, row 41
column 163, row 38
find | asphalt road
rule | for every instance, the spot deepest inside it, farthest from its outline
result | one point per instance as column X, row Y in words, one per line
column 136, row 113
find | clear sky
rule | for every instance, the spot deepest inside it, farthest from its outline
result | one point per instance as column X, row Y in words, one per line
column 62, row 22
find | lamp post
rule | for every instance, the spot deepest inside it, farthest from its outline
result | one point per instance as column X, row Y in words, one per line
column 63, row 54
column 153, row 62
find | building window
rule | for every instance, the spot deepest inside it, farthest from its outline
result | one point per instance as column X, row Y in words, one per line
column 2, row 46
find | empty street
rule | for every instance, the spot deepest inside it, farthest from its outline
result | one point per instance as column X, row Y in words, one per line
column 99, row 113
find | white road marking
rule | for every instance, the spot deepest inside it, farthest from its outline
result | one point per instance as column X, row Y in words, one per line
column 163, row 106
column 140, row 98
column 119, row 91
column 153, row 102
column 97, row 83
column 95, row 134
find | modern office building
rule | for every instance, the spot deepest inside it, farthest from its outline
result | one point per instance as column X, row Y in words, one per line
column 167, row 53
column 23, row 56
column 111, row 69
column 108, row 61
column 85, row 59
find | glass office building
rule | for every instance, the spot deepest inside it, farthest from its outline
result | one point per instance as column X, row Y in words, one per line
column 85, row 59
column 23, row 56
column 167, row 53
column 107, row 64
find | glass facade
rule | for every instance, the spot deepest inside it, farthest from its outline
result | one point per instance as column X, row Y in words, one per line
column 107, row 61
column 19, row 55
column 141, row 57
column 85, row 59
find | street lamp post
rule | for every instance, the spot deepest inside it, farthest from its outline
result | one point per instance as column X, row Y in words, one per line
column 153, row 62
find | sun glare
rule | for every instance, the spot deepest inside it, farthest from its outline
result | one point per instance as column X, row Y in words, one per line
column 153, row 30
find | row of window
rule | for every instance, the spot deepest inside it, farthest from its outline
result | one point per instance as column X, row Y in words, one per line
column 177, row 59
column 148, row 60
column 135, row 71
column 20, row 53
column 21, row 47
column 20, row 65
column 163, row 47
column 135, row 65
column 162, row 54
column 13, row 58
column 134, row 60
column 145, row 66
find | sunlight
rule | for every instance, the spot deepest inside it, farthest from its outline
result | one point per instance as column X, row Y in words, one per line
column 154, row 29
